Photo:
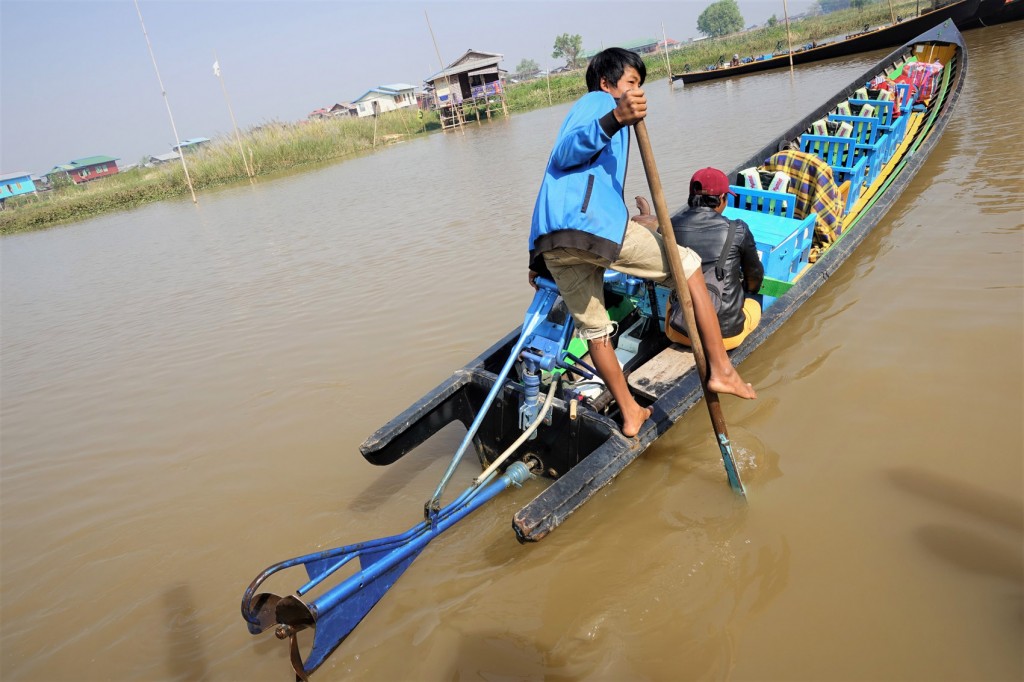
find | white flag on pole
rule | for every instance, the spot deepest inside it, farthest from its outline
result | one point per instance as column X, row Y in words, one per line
column 216, row 68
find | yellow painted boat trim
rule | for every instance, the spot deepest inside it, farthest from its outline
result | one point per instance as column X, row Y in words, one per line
column 916, row 119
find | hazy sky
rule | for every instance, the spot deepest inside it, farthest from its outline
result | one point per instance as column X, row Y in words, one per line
column 76, row 78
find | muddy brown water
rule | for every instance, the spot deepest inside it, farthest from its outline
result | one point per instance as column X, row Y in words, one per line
column 184, row 391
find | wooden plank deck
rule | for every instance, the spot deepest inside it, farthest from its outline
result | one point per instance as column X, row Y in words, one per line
column 658, row 375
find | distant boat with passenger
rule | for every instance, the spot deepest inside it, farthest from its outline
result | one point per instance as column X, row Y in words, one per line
column 961, row 13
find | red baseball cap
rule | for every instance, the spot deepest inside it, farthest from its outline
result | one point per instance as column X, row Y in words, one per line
column 711, row 182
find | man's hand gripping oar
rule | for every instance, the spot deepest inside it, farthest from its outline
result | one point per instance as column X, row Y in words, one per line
column 678, row 276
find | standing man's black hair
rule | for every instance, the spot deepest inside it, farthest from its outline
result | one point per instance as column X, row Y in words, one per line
column 610, row 64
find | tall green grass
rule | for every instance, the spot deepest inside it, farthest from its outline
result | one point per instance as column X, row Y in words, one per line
column 270, row 148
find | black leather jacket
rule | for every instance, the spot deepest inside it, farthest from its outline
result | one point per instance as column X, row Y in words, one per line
column 704, row 230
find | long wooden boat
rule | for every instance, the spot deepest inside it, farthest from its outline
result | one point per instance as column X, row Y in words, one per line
column 961, row 12
column 574, row 439
column 584, row 453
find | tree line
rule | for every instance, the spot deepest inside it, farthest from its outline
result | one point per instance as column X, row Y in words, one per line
column 718, row 19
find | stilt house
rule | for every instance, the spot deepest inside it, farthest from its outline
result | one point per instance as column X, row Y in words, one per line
column 473, row 81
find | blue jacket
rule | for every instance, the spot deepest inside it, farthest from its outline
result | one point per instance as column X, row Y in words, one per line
column 580, row 204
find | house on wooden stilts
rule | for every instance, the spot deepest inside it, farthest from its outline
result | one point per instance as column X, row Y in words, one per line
column 473, row 83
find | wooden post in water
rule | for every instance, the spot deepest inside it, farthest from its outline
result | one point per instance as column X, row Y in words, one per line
column 457, row 117
column 668, row 64
column 789, row 37
column 174, row 129
column 548, row 76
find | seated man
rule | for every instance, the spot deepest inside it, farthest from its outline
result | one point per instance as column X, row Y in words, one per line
column 728, row 255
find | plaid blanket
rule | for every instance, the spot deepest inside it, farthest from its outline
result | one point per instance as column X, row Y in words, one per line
column 815, row 190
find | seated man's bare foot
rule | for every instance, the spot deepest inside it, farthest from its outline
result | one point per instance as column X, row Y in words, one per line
column 631, row 423
column 733, row 384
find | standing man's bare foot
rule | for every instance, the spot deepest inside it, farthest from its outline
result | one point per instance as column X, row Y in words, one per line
column 731, row 383
column 632, row 421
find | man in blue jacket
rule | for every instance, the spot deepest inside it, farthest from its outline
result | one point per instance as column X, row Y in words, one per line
column 581, row 228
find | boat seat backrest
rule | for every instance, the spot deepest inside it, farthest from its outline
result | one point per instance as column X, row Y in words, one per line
column 857, row 176
column 837, row 152
column 906, row 99
column 865, row 128
column 883, row 108
column 762, row 201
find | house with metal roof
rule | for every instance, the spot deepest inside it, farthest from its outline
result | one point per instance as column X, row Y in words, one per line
column 86, row 169
column 14, row 184
column 343, row 109
column 157, row 159
column 474, row 80
column 385, row 98
column 642, row 46
column 191, row 144
column 473, row 74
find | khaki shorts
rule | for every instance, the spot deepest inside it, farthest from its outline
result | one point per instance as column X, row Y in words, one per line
column 580, row 275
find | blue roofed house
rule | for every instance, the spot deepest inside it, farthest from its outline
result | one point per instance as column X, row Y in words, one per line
column 384, row 98
column 191, row 144
column 15, row 184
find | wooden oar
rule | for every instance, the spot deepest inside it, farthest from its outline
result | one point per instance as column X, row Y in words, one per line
column 676, row 267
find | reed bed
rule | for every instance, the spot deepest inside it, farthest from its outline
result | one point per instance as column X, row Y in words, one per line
column 269, row 149
column 277, row 147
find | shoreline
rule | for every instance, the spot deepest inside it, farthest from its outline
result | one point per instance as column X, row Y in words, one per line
column 276, row 147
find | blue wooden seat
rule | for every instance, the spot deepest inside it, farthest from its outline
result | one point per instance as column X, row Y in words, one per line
column 841, row 154
column 889, row 122
column 762, row 201
column 870, row 141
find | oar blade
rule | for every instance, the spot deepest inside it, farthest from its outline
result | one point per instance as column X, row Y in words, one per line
column 262, row 612
column 731, row 470
column 333, row 625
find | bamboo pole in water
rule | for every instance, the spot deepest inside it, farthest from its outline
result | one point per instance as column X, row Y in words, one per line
column 456, row 112
column 789, row 37
column 234, row 124
column 174, row 129
column 668, row 64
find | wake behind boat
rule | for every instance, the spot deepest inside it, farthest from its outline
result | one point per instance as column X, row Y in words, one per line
column 530, row 404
